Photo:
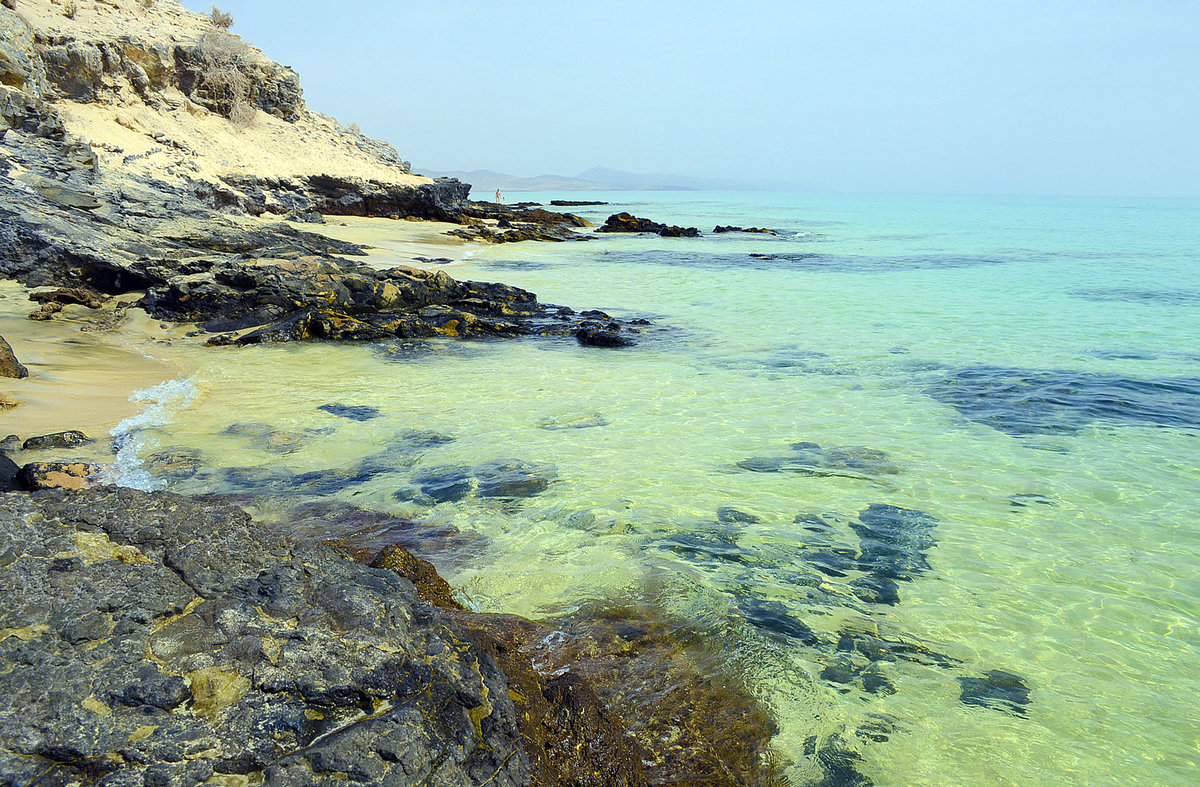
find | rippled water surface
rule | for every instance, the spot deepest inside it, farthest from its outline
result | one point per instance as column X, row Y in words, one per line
column 928, row 467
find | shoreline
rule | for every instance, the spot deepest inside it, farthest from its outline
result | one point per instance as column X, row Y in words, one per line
column 127, row 178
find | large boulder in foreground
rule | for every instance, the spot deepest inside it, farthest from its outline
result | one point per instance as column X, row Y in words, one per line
column 151, row 639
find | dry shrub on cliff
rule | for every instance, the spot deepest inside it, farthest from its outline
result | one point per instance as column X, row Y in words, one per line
column 225, row 80
column 221, row 19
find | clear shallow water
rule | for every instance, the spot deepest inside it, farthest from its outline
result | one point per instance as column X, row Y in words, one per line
column 997, row 407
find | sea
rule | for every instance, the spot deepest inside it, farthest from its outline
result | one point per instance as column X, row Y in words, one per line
column 927, row 468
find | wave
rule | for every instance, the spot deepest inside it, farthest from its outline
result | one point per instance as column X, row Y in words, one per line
column 130, row 437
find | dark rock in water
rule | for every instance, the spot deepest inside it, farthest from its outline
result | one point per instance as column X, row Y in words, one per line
column 998, row 690
column 822, row 550
column 729, row 228
column 583, row 421
column 359, row 529
column 706, row 546
column 9, row 365
column 264, row 660
column 627, row 222
column 840, row 765
column 446, row 484
column 174, row 464
column 10, row 443
column 512, row 478
column 700, row 727
column 433, row 260
column 774, row 618
column 1025, row 500
column 268, row 438
column 877, row 728
column 875, row 589
column 893, row 540
column 593, row 333
column 572, row 203
column 355, row 412
column 811, row 459
column 69, row 439
column 728, row 515
column 1022, row 402
column 875, row 647
column 58, row 475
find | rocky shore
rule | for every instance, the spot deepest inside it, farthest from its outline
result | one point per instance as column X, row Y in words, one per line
column 154, row 639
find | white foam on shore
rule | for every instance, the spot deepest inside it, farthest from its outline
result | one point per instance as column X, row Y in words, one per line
column 130, row 436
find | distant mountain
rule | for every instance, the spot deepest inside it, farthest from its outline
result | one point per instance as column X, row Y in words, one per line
column 605, row 179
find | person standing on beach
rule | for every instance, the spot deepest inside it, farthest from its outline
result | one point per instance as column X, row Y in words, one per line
column 499, row 198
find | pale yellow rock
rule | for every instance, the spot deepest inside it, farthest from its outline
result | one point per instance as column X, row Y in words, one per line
column 96, row 706
column 25, row 633
column 141, row 733
column 93, row 547
column 215, row 688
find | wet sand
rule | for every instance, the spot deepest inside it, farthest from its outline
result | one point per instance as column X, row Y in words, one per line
column 82, row 379
column 398, row 241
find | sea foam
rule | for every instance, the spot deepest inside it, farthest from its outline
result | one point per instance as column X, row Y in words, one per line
column 130, row 437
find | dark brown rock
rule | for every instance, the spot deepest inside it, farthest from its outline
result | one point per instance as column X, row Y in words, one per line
column 84, row 296
column 431, row 588
column 9, row 365
column 627, row 222
column 729, row 228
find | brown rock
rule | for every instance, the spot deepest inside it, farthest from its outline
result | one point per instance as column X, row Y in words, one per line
column 431, row 588
column 9, row 365
column 58, row 475
column 65, row 295
column 7, row 402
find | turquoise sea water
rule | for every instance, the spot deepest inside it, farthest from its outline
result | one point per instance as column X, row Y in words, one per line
column 928, row 467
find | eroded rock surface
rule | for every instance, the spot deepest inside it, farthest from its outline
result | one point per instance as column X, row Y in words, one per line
column 153, row 639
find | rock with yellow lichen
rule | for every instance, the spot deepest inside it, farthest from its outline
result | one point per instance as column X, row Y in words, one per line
column 152, row 639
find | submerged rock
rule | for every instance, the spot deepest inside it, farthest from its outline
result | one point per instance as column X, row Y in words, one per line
column 998, row 690
column 355, row 412
column 1022, row 402
column 811, row 459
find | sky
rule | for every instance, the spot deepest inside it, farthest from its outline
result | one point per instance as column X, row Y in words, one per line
column 1045, row 97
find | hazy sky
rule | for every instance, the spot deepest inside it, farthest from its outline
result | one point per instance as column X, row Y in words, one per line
column 1072, row 97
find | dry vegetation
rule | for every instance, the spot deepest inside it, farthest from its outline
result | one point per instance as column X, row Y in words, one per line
column 221, row 19
column 225, row 80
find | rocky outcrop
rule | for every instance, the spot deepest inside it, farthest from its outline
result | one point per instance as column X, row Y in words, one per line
column 627, row 222
column 153, row 639
column 443, row 200
column 9, row 365
column 720, row 228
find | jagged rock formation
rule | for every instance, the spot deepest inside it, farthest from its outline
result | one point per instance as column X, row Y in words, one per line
column 218, row 648
column 153, row 639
